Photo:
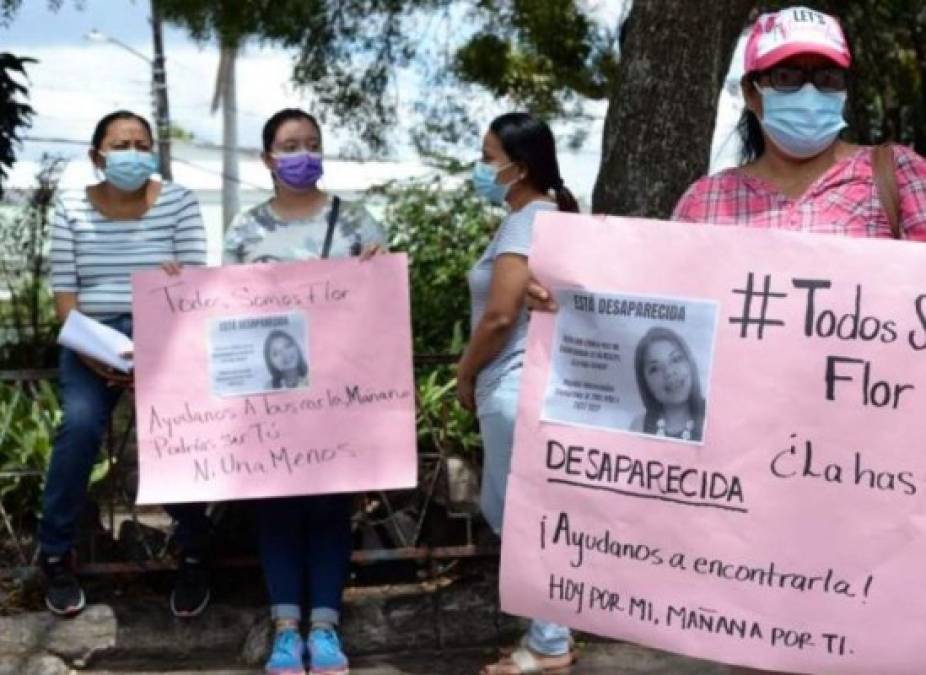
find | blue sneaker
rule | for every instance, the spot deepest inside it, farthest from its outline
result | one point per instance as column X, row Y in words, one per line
column 286, row 657
column 325, row 653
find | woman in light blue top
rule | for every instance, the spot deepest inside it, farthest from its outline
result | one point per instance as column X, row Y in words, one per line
column 518, row 169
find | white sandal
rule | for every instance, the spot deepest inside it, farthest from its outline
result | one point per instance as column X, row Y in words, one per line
column 528, row 662
column 523, row 643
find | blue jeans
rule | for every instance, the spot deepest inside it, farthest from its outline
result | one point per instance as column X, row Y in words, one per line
column 305, row 547
column 87, row 403
column 496, row 411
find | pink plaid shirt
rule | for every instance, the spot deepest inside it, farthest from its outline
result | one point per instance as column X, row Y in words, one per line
column 844, row 200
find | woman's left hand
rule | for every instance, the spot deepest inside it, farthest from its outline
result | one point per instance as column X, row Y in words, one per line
column 538, row 298
column 172, row 268
column 466, row 390
column 371, row 251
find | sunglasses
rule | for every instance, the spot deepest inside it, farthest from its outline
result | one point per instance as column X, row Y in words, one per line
column 789, row 79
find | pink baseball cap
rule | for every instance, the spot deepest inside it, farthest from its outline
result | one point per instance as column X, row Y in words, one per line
column 796, row 30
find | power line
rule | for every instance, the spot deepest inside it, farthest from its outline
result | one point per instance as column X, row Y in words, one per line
column 221, row 174
column 198, row 167
column 63, row 141
column 193, row 164
column 173, row 85
column 74, row 141
column 252, row 151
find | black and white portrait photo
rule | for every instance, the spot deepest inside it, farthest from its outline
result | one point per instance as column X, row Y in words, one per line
column 259, row 353
column 285, row 362
column 669, row 386
column 635, row 364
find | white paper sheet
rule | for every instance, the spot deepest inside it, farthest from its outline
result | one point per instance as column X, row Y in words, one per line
column 97, row 340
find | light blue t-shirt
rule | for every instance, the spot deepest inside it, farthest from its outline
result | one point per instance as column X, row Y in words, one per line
column 513, row 236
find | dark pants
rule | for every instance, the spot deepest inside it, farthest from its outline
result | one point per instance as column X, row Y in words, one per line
column 305, row 547
column 87, row 404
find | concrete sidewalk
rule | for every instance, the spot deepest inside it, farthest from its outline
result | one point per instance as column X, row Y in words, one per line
column 447, row 626
column 595, row 659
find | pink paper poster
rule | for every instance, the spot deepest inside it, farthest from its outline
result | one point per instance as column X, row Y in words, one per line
column 720, row 445
column 274, row 379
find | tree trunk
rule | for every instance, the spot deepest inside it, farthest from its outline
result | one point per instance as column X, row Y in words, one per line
column 919, row 110
column 657, row 134
column 159, row 91
column 226, row 94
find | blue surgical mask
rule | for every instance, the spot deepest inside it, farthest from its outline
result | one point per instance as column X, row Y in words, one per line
column 803, row 123
column 484, row 176
column 128, row 170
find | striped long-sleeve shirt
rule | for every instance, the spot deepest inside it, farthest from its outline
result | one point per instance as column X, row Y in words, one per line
column 95, row 256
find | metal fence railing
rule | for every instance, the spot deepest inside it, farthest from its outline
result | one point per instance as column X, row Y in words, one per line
column 401, row 515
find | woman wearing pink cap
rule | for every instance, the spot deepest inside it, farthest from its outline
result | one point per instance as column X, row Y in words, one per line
column 797, row 173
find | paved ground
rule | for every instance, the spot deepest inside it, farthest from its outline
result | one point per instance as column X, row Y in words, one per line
column 597, row 659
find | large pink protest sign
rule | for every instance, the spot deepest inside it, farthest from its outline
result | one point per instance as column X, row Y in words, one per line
column 720, row 445
column 274, row 379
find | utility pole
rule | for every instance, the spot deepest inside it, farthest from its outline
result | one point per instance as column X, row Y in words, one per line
column 159, row 92
column 225, row 94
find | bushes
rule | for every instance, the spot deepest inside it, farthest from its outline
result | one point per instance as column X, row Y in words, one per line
column 27, row 316
column 28, row 418
column 444, row 230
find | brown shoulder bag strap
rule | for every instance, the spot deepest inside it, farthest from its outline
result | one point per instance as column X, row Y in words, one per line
column 885, row 174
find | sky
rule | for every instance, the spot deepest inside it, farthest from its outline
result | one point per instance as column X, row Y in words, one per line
column 77, row 81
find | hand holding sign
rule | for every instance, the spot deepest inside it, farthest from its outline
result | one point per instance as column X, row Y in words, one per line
column 266, row 380
column 539, row 298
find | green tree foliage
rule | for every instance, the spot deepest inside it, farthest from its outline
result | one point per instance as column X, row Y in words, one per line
column 443, row 231
column 539, row 54
column 28, row 418
column 9, row 9
column 15, row 113
column 544, row 54
column 347, row 51
column 29, row 415
column 549, row 57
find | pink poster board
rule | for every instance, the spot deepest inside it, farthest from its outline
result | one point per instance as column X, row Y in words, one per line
column 274, row 379
column 782, row 524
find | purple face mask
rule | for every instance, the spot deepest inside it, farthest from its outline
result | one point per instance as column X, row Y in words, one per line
column 298, row 170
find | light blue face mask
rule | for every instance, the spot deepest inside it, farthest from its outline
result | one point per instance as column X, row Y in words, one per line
column 128, row 170
column 803, row 123
column 484, row 176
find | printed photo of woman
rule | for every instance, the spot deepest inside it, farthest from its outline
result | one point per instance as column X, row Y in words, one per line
column 285, row 362
column 669, row 385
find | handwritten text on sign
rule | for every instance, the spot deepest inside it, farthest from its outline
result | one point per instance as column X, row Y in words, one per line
column 274, row 379
column 725, row 460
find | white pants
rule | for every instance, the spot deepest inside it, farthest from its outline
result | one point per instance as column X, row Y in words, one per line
column 497, row 411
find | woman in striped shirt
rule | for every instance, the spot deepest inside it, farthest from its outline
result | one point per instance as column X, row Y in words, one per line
column 125, row 223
